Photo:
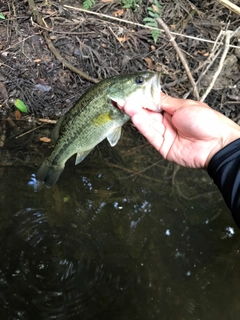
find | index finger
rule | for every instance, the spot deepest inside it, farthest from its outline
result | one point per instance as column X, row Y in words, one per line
column 170, row 104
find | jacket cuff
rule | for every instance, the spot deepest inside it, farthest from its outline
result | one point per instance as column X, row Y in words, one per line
column 222, row 157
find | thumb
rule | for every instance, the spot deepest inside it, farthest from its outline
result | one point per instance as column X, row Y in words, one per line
column 170, row 104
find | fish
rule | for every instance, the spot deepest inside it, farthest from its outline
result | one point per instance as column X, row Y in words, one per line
column 97, row 115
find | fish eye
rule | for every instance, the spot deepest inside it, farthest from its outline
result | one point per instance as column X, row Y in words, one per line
column 139, row 80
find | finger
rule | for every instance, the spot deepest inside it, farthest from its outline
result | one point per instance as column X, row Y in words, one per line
column 137, row 102
column 132, row 107
column 170, row 104
column 151, row 126
column 169, row 136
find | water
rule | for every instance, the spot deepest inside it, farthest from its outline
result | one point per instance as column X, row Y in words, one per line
column 107, row 243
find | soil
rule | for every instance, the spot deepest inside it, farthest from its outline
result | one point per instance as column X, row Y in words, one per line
column 101, row 47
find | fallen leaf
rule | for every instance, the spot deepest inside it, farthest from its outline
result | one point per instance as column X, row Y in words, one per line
column 20, row 105
column 45, row 139
column 37, row 60
column 49, row 11
column 5, row 53
column 150, row 63
column 203, row 53
column 118, row 13
column 123, row 39
column 155, row 8
column 17, row 114
column 42, row 87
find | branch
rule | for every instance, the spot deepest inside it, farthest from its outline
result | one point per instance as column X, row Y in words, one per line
column 221, row 63
column 39, row 20
column 231, row 6
column 181, row 56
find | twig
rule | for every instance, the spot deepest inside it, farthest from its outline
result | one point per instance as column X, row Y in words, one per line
column 15, row 44
column 3, row 134
column 231, row 6
column 51, row 47
column 140, row 171
column 209, row 62
column 115, row 36
column 221, row 63
column 101, row 15
column 181, row 56
column 61, row 32
column 133, row 172
column 27, row 132
column 47, row 121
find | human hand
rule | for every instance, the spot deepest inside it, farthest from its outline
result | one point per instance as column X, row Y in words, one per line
column 188, row 132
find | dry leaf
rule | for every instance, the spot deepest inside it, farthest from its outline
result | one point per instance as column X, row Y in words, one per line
column 37, row 60
column 118, row 13
column 50, row 11
column 150, row 63
column 123, row 39
column 45, row 139
column 203, row 53
column 17, row 114
column 155, row 8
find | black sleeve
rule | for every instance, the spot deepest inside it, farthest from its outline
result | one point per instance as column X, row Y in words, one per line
column 224, row 169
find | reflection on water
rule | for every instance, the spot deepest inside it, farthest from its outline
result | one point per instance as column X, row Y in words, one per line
column 110, row 244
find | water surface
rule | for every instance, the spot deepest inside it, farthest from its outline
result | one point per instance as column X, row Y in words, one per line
column 124, row 235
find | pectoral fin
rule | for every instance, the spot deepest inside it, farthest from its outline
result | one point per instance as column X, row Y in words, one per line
column 81, row 156
column 114, row 136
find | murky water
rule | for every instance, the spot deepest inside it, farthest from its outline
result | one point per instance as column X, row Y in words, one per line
column 108, row 243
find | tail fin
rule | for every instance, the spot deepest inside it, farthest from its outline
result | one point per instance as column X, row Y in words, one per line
column 48, row 174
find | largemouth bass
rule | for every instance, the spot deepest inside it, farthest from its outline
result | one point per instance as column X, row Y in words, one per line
column 94, row 117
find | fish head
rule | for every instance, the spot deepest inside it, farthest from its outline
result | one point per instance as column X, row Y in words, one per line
column 142, row 88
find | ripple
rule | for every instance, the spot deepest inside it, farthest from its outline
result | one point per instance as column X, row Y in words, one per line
column 51, row 272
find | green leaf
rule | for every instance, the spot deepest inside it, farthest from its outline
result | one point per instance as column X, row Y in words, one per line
column 152, row 13
column 19, row 104
column 87, row 4
column 2, row 16
column 155, row 35
column 147, row 19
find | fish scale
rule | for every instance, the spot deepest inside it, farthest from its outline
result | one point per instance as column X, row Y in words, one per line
column 95, row 117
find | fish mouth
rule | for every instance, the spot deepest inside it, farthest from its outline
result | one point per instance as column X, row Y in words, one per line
column 116, row 105
column 154, row 91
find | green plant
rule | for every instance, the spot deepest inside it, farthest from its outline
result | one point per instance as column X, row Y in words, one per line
column 131, row 4
column 2, row 16
column 154, row 12
column 87, row 4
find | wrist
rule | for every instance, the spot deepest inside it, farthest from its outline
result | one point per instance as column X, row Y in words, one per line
column 233, row 135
